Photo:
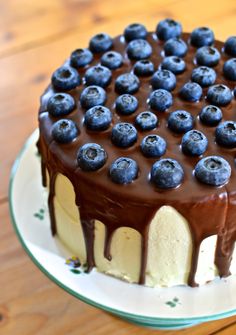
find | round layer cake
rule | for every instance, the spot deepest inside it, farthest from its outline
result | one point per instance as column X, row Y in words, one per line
column 138, row 147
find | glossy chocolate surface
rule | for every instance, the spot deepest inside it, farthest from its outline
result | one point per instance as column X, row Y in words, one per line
column 209, row 210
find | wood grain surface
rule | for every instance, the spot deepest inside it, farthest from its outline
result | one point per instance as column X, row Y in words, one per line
column 35, row 38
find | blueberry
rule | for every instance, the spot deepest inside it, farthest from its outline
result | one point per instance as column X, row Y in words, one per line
column 201, row 37
column 135, row 31
column 204, row 76
column 98, row 75
column 124, row 134
column 219, row 95
column 229, row 69
column 126, row 104
column 173, row 64
column 91, row 157
column 175, row 47
column 213, row 170
column 64, row 131
column 143, row 67
column 207, row 56
column 98, row 118
column 191, row 92
column 65, row 78
column 163, row 79
column 139, row 49
column 230, row 46
column 146, row 120
column 60, row 104
column 92, row 96
column 160, row 100
column 167, row 29
column 167, row 173
column 210, row 115
column 226, row 134
column 81, row 57
column 123, row 170
column 127, row 83
column 112, row 59
column 100, row 43
column 194, row 143
column 153, row 146
column 180, row 121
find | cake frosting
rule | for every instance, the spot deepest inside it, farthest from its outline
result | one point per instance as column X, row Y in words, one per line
column 138, row 231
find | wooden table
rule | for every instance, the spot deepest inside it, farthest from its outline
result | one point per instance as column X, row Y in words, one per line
column 35, row 38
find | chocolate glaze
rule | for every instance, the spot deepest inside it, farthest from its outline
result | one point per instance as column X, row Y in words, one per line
column 208, row 210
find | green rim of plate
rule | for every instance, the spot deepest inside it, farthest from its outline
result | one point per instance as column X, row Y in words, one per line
column 139, row 318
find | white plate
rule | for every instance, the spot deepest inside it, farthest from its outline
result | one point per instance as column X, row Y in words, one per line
column 165, row 308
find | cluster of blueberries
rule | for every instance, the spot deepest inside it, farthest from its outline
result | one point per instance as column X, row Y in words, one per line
column 165, row 173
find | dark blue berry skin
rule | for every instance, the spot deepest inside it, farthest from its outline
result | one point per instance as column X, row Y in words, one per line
column 64, row 131
column 160, row 100
column 175, row 47
column 167, row 29
column 153, row 146
column 180, row 121
column 201, row 37
column 143, row 68
column 91, row 157
column 60, row 104
column 173, row 64
column 213, row 170
column 80, row 58
column 135, row 31
column 163, row 79
column 112, row 60
column 65, row 78
column 100, row 43
column 219, row 95
column 167, row 173
column 139, row 49
column 230, row 46
column 226, row 134
column 210, row 115
column 98, row 75
column 124, row 135
column 204, row 76
column 146, row 121
column 194, row 143
column 127, row 83
column 98, row 118
column 92, row 96
column 123, row 170
column 191, row 92
column 126, row 104
column 207, row 56
column 229, row 69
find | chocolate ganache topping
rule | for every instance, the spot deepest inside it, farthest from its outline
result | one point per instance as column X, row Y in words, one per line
column 135, row 65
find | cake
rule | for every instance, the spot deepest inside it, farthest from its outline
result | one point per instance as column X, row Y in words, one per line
column 138, row 152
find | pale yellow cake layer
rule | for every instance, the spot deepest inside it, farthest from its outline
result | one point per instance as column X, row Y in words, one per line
column 169, row 244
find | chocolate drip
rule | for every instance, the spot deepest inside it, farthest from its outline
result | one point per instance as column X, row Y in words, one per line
column 208, row 210
column 51, row 202
column 88, row 230
column 144, row 254
column 108, row 239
